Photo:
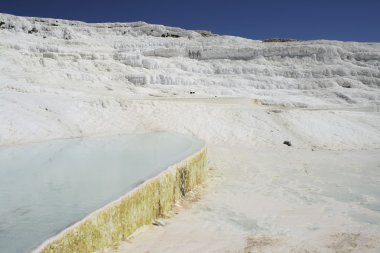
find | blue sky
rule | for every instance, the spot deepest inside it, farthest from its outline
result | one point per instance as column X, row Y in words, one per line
column 348, row 20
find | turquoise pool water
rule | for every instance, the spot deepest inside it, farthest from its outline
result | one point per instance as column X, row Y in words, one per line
column 46, row 187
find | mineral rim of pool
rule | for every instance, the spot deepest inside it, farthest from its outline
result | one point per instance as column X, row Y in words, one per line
column 46, row 187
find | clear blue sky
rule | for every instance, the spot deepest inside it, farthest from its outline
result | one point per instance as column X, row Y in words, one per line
column 353, row 20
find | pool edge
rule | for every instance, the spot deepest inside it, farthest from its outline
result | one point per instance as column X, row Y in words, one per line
column 117, row 220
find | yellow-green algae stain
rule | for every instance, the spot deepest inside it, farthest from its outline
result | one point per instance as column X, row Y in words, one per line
column 114, row 223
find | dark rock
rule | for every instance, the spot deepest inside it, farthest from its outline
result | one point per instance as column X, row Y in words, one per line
column 34, row 30
column 170, row 35
column 287, row 143
column 279, row 40
column 205, row 33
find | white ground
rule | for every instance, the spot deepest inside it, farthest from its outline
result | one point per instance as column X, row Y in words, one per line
column 322, row 194
column 288, row 201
